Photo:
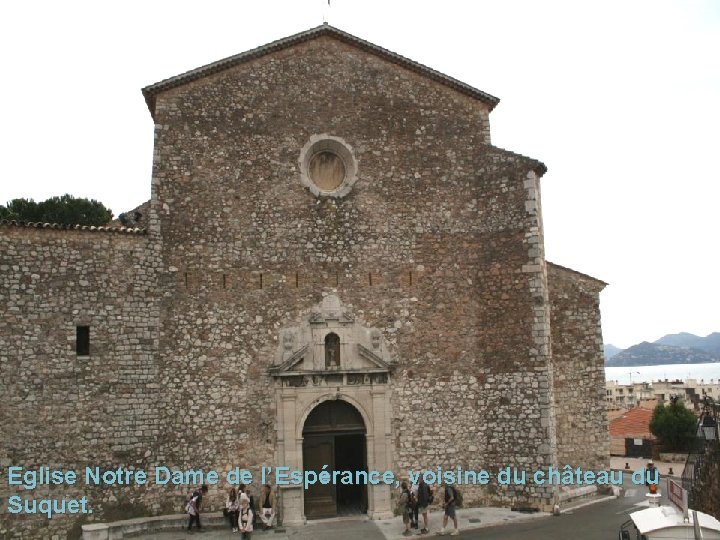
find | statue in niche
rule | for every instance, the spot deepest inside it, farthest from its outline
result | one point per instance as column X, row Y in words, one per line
column 375, row 338
column 288, row 340
column 332, row 351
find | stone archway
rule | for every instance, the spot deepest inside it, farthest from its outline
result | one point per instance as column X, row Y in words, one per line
column 304, row 381
column 334, row 437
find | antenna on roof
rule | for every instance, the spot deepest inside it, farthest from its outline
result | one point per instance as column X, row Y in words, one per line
column 326, row 13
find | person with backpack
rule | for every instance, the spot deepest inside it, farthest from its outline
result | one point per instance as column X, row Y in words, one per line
column 424, row 499
column 449, row 503
column 247, row 490
column 414, row 506
column 245, row 519
column 404, row 508
column 193, row 507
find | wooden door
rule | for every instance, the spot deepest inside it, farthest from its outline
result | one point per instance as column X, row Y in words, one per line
column 320, row 500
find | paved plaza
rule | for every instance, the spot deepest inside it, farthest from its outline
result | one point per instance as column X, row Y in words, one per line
column 470, row 519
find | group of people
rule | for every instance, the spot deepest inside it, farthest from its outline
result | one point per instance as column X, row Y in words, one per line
column 413, row 504
column 241, row 508
column 244, row 511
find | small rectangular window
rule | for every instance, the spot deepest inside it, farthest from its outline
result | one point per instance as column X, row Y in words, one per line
column 82, row 341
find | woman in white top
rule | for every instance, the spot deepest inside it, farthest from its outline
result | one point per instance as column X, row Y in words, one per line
column 245, row 519
column 233, row 509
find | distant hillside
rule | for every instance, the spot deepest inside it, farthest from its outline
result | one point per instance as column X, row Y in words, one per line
column 709, row 344
column 610, row 351
column 649, row 354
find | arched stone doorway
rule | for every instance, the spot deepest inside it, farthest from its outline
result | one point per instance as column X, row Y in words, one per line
column 334, row 435
column 354, row 380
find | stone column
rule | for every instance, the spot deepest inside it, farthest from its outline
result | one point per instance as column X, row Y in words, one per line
column 544, row 372
column 288, row 445
column 380, row 442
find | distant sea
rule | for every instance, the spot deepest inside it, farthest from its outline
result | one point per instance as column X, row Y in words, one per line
column 628, row 374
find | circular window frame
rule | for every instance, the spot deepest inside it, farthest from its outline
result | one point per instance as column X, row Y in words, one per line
column 339, row 148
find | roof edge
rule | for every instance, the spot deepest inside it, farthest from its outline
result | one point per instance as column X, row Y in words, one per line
column 580, row 274
column 63, row 227
column 150, row 92
column 537, row 166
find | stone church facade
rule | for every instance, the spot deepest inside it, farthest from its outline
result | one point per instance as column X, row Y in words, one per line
column 336, row 266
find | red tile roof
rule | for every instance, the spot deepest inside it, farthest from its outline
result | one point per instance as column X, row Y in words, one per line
column 634, row 423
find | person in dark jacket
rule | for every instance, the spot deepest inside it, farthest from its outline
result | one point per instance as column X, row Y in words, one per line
column 449, row 502
column 193, row 507
column 404, row 508
column 267, row 507
column 424, row 499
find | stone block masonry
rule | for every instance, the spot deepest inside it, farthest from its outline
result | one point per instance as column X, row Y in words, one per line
column 64, row 410
column 579, row 368
column 435, row 250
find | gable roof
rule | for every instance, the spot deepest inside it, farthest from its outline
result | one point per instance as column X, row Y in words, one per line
column 579, row 274
column 150, row 92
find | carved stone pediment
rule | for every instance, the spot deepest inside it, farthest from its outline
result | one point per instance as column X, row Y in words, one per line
column 331, row 310
column 330, row 346
column 292, row 362
column 371, row 357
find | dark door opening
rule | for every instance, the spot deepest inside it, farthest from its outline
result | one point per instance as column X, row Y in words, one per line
column 643, row 450
column 334, row 435
column 350, row 456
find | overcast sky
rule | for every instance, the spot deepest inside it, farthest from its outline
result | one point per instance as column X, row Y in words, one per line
column 620, row 99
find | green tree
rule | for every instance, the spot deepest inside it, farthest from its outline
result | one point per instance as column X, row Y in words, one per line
column 21, row 210
column 66, row 210
column 673, row 424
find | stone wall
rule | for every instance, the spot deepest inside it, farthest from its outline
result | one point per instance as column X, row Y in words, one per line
column 583, row 437
column 438, row 244
column 60, row 409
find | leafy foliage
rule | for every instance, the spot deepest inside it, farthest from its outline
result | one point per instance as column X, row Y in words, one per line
column 674, row 425
column 65, row 210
